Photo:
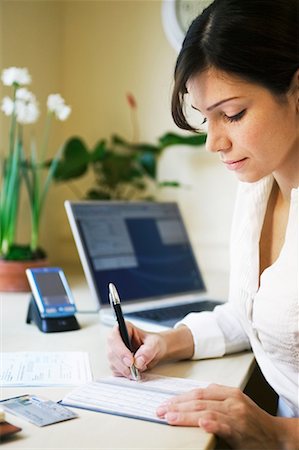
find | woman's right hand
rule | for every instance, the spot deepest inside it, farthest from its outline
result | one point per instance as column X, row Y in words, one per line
column 149, row 349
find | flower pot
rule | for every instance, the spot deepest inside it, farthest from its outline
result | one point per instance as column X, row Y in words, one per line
column 13, row 277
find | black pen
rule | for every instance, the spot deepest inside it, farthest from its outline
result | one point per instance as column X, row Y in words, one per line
column 115, row 303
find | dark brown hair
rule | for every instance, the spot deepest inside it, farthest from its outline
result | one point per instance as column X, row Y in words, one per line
column 256, row 40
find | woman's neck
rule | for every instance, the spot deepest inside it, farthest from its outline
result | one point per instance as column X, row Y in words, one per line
column 287, row 177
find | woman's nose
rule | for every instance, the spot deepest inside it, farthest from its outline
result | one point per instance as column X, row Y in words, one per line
column 217, row 140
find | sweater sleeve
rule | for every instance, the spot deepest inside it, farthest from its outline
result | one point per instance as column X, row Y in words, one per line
column 222, row 331
column 216, row 333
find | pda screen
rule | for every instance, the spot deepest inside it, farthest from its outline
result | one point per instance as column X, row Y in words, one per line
column 51, row 288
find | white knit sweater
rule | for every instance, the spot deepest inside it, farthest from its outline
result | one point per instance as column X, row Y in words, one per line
column 263, row 317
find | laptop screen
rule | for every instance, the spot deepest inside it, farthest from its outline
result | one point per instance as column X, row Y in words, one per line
column 141, row 247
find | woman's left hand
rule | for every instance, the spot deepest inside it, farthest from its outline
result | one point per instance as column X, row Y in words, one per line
column 226, row 412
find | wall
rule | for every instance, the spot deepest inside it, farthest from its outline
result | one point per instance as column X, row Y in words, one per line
column 30, row 36
column 93, row 53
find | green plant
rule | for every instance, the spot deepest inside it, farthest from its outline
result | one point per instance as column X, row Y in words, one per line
column 17, row 167
column 123, row 169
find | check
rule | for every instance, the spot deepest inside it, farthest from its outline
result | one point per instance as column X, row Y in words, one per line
column 123, row 397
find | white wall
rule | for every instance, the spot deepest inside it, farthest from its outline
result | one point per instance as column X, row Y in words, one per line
column 93, row 53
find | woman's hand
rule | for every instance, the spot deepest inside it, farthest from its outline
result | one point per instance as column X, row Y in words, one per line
column 228, row 413
column 148, row 348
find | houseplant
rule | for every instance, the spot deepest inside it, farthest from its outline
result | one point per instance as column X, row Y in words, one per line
column 28, row 168
column 124, row 169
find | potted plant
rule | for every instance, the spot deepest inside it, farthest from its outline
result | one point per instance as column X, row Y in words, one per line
column 123, row 169
column 29, row 168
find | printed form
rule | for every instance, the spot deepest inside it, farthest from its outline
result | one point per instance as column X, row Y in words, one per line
column 44, row 369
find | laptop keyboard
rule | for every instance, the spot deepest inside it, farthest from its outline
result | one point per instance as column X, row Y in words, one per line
column 169, row 315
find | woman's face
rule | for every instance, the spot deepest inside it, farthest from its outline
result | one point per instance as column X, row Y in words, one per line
column 254, row 132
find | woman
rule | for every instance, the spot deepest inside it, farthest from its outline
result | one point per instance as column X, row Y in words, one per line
column 239, row 67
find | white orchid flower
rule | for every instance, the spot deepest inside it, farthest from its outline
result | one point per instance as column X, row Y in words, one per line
column 54, row 101
column 26, row 112
column 25, row 105
column 63, row 112
column 56, row 105
column 7, row 106
column 24, row 95
column 15, row 75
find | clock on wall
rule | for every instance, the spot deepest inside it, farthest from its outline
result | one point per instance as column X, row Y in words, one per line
column 177, row 16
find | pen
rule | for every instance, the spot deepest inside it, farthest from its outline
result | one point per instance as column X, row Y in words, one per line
column 115, row 303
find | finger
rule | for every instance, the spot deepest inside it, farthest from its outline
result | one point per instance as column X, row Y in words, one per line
column 143, row 357
column 137, row 336
column 116, row 373
column 218, row 392
column 191, row 405
column 146, row 355
column 217, row 426
column 121, row 365
column 119, row 355
column 192, row 395
column 183, row 419
column 116, row 343
column 118, row 367
column 189, row 418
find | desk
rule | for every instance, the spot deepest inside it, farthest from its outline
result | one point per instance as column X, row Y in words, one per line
column 96, row 430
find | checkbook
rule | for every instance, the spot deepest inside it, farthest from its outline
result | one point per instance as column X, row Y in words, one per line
column 37, row 410
column 129, row 398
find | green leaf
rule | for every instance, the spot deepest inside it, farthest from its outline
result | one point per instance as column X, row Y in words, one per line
column 148, row 162
column 118, row 169
column 139, row 184
column 118, row 140
column 74, row 161
column 148, row 148
column 24, row 253
column 169, row 139
column 99, row 152
column 94, row 194
column 50, row 176
column 169, row 184
column 10, row 197
column 137, row 148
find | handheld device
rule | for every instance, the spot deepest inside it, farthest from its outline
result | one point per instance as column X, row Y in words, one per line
column 52, row 305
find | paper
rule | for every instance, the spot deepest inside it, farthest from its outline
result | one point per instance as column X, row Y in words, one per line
column 44, row 369
column 37, row 410
column 136, row 399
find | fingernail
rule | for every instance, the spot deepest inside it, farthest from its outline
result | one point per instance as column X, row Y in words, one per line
column 202, row 423
column 127, row 361
column 161, row 410
column 140, row 362
column 171, row 416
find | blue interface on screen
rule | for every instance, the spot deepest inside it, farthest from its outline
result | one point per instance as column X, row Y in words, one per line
column 142, row 248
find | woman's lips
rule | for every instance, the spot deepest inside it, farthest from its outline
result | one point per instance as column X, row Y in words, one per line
column 236, row 164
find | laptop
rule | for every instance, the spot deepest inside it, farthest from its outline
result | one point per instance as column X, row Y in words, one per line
column 144, row 249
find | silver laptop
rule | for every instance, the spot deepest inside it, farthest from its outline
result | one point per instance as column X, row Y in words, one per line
column 144, row 249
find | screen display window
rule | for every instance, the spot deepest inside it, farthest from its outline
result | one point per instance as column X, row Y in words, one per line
column 143, row 248
column 51, row 289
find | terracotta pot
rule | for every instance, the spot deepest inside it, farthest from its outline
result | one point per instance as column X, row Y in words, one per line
column 13, row 277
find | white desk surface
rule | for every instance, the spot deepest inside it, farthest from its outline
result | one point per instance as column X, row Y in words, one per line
column 94, row 430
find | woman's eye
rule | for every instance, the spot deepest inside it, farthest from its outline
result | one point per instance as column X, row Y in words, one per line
column 236, row 117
